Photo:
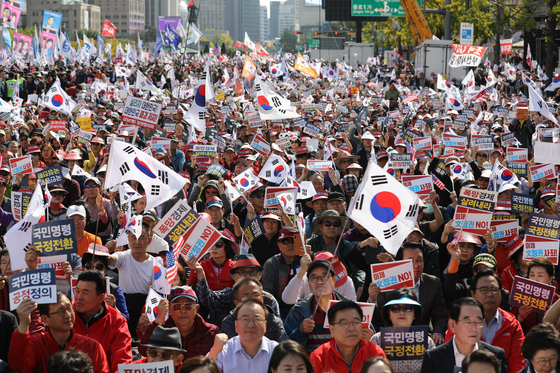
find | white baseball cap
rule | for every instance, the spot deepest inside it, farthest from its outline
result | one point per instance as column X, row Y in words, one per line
column 76, row 210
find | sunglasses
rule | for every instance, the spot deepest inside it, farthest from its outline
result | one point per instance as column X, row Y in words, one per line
column 287, row 240
column 164, row 355
column 211, row 191
column 219, row 244
column 396, row 308
column 345, row 161
column 57, row 194
column 91, row 186
column 180, row 306
column 260, row 195
column 329, row 223
column 98, row 266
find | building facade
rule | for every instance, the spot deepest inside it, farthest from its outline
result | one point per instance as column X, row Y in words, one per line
column 265, row 29
column 126, row 15
column 243, row 16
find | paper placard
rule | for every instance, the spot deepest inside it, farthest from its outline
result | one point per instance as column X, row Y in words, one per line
column 260, row 145
column 19, row 202
column 55, row 237
column 483, row 142
column 522, row 203
column 176, row 222
column 404, row 343
column 204, row 150
column 140, row 112
column 476, row 222
column 159, row 367
column 421, row 144
column 526, row 292
column 400, row 160
column 516, row 155
column 367, row 309
column 539, row 171
column 421, row 185
column 454, row 141
column 57, row 125
column 319, row 165
column 21, row 165
column 393, row 275
column 199, row 239
column 36, row 284
column 50, row 176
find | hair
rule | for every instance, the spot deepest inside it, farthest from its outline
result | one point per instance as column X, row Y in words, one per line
column 182, row 275
column 4, row 252
column 481, row 356
column 69, row 361
column 94, row 276
column 274, row 212
column 228, row 248
column 146, row 227
column 485, row 273
column 410, row 246
column 341, row 306
column 541, row 262
column 244, row 281
column 196, row 362
column 250, row 302
column 41, row 151
column 455, row 309
column 397, row 294
column 89, row 257
column 45, row 309
column 541, row 337
column 373, row 360
column 287, row 348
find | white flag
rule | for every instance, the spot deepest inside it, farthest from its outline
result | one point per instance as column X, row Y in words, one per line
column 78, row 171
column 56, row 99
column 127, row 162
column 536, row 103
column 246, row 180
column 385, row 207
column 209, row 91
column 127, row 194
column 248, row 42
column 196, row 115
column 142, row 82
column 274, row 170
column 271, row 105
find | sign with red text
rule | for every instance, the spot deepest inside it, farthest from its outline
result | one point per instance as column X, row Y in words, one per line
column 367, row 309
column 466, row 55
column 421, row 144
column 260, row 145
column 454, row 141
column 159, row 143
column 21, row 165
column 474, row 221
column 57, row 125
column 159, row 367
column 506, row 46
column 319, row 165
column 140, row 112
column 421, row 185
column 504, row 230
column 539, row 171
column 393, row 275
column 535, row 247
column 516, row 155
column 199, row 239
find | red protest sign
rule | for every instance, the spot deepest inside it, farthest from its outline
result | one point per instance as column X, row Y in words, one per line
column 367, row 309
column 108, row 29
column 260, row 145
column 199, row 239
column 57, row 125
column 393, row 275
column 21, row 165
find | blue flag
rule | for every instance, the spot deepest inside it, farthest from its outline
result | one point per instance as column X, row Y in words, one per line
column 100, row 46
column 172, row 38
column 159, row 42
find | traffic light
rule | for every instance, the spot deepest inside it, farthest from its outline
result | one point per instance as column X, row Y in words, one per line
column 335, row 33
column 316, row 33
column 297, row 32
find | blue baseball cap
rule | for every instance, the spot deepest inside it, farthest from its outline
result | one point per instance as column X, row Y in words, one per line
column 404, row 299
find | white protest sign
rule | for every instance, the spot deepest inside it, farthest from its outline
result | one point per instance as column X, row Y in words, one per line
column 260, row 145
column 319, row 165
column 140, row 112
column 159, row 367
column 393, row 275
column 367, row 309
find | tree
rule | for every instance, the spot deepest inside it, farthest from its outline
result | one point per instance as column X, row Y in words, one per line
column 91, row 34
column 552, row 20
column 224, row 38
column 289, row 40
column 28, row 31
column 150, row 33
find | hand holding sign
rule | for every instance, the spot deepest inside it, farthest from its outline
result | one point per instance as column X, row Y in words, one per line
column 24, row 311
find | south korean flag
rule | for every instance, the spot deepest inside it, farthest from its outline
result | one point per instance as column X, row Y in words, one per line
column 246, row 180
column 386, row 208
column 275, row 170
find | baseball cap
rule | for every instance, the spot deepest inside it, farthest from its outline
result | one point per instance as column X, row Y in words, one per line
column 320, row 263
column 486, row 259
column 76, row 210
column 287, row 233
column 214, row 201
column 182, row 292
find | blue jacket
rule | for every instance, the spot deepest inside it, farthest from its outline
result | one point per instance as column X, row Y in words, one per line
column 178, row 160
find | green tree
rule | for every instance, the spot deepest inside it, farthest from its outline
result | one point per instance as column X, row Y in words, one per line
column 28, row 31
column 91, row 34
column 289, row 40
column 150, row 33
column 220, row 39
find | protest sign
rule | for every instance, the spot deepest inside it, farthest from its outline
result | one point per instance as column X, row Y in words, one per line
column 466, row 55
column 216, row 169
column 421, row 144
column 256, row 122
column 393, row 275
column 284, row 142
column 454, row 141
column 536, row 247
column 158, row 367
column 367, row 309
column 516, row 155
column 539, row 171
column 319, row 165
column 199, row 239
column 21, row 165
column 50, row 176
column 541, row 237
column 57, row 125
column 311, row 129
column 176, row 223
column 410, row 135
column 20, row 201
column 36, row 284
column 526, row 292
column 547, row 152
column 521, row 203
column 204, row 150
column 421, row 185
column 55, row 237
column 474, row 221
column 518, row 168
column 281, row 197
column 140, row 112
column 401, row 343
column 160, row 143
column 508, row 139
column 260, row 145
column 483, row 142
column 400, row 160
column 84, row 137
column 253, row 229
column 84, row 123
column 504, row 230
column 482, row 200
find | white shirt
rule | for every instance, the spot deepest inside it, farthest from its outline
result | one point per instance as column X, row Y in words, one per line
column 459, row 357
column 234, row 359
column 134, row 277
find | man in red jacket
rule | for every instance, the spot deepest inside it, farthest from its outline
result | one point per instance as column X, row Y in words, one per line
column 197, row 336
column 30, row 353
column 96, row 320
column 501, row 328
column 346, row 351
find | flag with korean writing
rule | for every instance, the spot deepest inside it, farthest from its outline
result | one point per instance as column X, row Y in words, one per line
column 274, row 170
column 385, row 207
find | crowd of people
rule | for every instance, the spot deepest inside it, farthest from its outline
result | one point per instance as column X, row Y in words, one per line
column 267, row 304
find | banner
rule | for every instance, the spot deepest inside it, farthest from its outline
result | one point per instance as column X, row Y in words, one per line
column 10, row 15
column 176, row 223
column 421, row 185
column 55, row 237
column 140, row 112
column 108, row 29
column 404, row 343
column 466, row 55
column 48, row 41
column 393, row 275
column 506, row 46
column 525, row 292
column 36, row 284
column 22, row 45
column 20, row 201
column 51, row 22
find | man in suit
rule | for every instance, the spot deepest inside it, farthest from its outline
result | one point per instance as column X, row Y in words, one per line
column 427, row 289
column 467, row 321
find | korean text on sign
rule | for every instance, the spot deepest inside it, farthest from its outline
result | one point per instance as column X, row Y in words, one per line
column 404, row 343
column 37, row 284
column 525, row 292
column 55, row 237
column 176, row 222
column 158, row 367
column 51, row 175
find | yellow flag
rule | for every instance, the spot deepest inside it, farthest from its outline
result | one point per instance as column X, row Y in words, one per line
column 249, row 69
column 304, row 68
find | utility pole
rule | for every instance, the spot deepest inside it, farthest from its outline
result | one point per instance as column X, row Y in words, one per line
column 497, row 48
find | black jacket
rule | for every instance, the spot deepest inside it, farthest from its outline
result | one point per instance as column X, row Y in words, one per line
column 523, row 132
column 442, row 358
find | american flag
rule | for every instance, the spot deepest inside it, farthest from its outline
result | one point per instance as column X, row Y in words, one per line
column 409, row 99
column 172, row 256
column 484, row 94
column 437, row 182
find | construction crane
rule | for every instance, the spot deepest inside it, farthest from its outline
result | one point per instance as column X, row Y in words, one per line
column 416, row 21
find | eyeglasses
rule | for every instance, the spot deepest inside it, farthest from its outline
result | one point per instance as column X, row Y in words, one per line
column 62, row 312
column 88, row 186
column 252, row 272
column 180, row 306
column 329, row 223
column 470, row 324
column 244, row 321
column 314, row 279
column 258, row 196
column 164, row 355
column 418, row 261
column 219, row 244
column 57, row 194
column 345, row 161
column 286, row 241
column 255, row 295
column 398, row 308
column 486, row 289
column 542, row 362
column 347, row 324
column 95, row 144
column 98, row 266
